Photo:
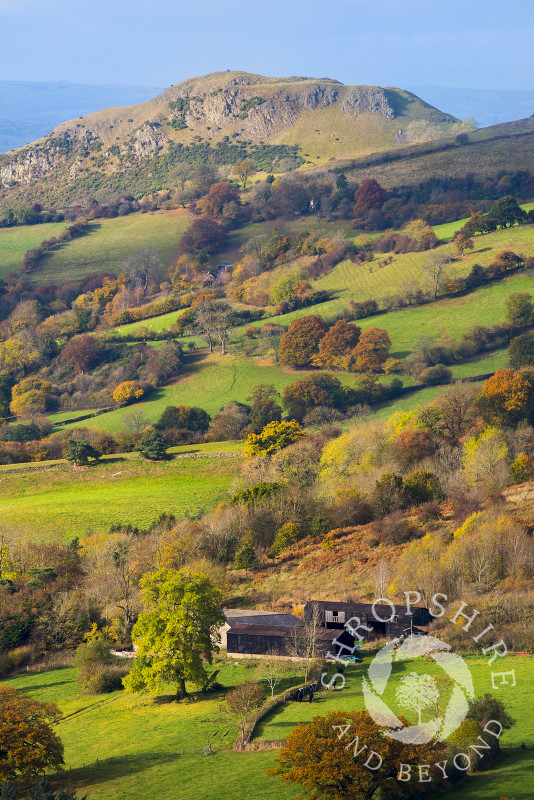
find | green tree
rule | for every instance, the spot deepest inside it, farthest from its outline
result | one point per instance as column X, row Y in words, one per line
column 262, row 413
column 506, row 212
column 519, row 309
column 152, row 445
column 245, row 558
column 81, row 452
column 178, row 632
column 189, row 418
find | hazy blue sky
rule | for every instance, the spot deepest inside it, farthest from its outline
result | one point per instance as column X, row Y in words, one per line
column 463, row 43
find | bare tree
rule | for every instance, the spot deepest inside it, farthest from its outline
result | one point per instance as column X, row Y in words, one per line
column 213, row 320
column 272, row 672
column 142, row 267
column 436, row 271
column 244, row 699
column 302, row 641
column 135, row 422
column 382, row 576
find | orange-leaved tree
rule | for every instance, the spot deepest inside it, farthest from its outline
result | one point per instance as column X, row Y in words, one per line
column 371, row 351
column 127, row 391
column 336, row 344
column 300, row 342
column 327, row 758
column 28, row 745
column 506, row 398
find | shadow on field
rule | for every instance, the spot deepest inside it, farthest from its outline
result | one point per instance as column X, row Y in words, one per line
column 115, row 767
column 34, row 688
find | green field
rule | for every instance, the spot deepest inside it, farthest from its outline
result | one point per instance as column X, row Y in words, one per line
column 15, row 242
column 157, row 747
column 511, row 777
column 448, row 229
column 109, row 243
column 70, row 502
column 209, row 382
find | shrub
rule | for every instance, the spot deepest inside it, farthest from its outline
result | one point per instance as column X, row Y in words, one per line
column 521, row 469
column 127, row 391
column 431, row 376
column 152, row 445
column 100, row 679
column 287, row 535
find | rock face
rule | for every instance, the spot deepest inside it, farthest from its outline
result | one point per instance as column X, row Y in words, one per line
column 221, row 115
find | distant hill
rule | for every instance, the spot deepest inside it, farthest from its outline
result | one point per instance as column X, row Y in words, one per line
column 281, row 123
column 29, row 110
column 486, row 106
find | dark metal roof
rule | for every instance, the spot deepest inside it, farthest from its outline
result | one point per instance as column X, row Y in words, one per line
column 276, row 619
column 362, row 608
column 258, row 630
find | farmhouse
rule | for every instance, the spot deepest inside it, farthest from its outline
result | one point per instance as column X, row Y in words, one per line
column 333, row 615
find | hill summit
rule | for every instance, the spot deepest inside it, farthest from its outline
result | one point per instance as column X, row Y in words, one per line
column 279, row 122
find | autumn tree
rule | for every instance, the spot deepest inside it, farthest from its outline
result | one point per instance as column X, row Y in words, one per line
column 81, row 352
column 337, row 342
column 301, row 341
column 371, row 351
column 219, row 195
column 205, row 234
column 127, row 392
column 368, row 196
column 242, row 701
column 463, row 243
column 274, row 437
column 28, row 744
column 506, row 398
column 482, row 455
column 345, row 756
column 244, row 168
column 178, row 631
column 33, row 395
column 318, row 390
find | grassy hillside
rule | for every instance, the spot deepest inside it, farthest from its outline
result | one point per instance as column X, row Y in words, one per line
column 484, row 155
column 110, row 242
column 126, row 746
column 14, row 242
column 72, row 502
column 209, row 382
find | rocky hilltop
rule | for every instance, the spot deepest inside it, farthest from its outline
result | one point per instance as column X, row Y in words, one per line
column 279, row 122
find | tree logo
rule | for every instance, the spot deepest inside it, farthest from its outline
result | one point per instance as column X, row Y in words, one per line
column 442, row 701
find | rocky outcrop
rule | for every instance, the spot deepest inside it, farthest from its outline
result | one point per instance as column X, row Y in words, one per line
column 369, row 99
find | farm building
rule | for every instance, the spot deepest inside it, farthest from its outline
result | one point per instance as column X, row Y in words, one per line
column 246, row 617
column 259, row 640
column 333, row 615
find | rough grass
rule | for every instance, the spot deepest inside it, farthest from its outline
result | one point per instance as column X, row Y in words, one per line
column 15, row 242
column 70, row 502
column 481, row 157
column 110, row 242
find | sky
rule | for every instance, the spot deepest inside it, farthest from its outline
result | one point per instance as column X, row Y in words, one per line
column 461, row 43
